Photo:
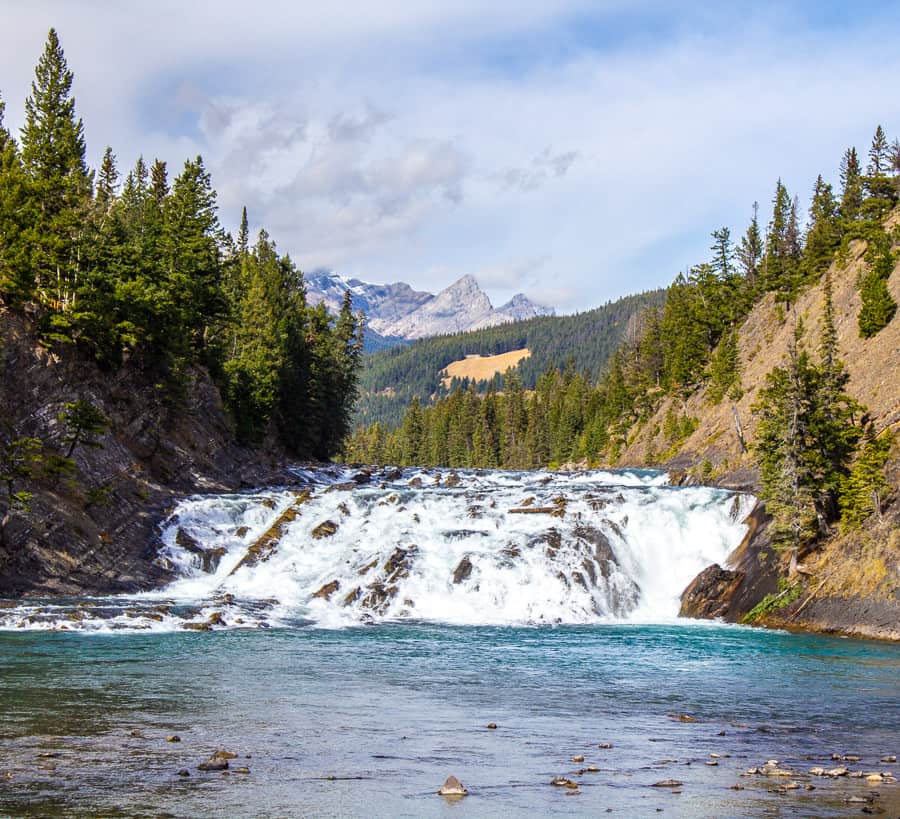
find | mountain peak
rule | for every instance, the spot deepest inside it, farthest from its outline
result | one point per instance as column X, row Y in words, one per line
column 398, row 310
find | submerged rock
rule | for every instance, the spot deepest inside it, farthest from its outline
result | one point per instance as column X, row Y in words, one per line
column 327, row 590
column 563, row 782
column 452, row 787
column 325, row 529
column 667, row 783
column 463, row 570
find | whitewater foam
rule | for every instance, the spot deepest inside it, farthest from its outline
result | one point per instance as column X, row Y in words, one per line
column 465, row 548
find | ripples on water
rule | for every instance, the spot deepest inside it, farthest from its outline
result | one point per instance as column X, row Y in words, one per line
column 369, row 721
column 334, row 718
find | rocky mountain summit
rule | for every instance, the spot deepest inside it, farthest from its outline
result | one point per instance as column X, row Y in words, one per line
column 398, row 311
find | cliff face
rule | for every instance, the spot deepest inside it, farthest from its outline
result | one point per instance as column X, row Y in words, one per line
column 873, row 365
column 95, row 531
column 851, row 583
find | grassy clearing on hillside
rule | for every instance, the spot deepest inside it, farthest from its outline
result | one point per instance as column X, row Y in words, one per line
column 483, row 367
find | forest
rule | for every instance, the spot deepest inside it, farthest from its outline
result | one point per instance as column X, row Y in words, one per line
column 136, row 271
column 819, row 459
column 389, row 379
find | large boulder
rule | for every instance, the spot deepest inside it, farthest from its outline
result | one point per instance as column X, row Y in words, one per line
column 710, row 592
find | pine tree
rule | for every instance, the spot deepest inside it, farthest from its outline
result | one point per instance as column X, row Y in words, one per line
column 851, row 190
column 863, row 491
column 16, row 279
column 243, row 233
column 750, row 252
column 53, row 155
column 107, row 182
column 878, row 306
column 823, row 235
column 777, row 272
column 882, row 193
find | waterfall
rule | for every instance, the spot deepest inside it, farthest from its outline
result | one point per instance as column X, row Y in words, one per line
column 458, row 547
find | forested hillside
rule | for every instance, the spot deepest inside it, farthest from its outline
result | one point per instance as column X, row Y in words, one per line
column 391, row 378
column 135, row 280
column 757, row 318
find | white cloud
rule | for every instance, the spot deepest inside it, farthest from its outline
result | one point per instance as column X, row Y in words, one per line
column 418, row 143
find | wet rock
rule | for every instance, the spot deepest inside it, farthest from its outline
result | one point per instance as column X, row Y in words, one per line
column 593, row 769
column 325, row 529
column 265, row 546
column 712, row 763
column 890, row 758
column 241, row 770
column 683, row 717
column 173, row 738
column 492, row 725
column 533, row 510
column 392, row 474
column 463, row 570
column 605, row 745
column 216, row 619
column 841, row 770
column 850, row 758
column 241, row 531
column 184, row 772
column 347, row 486
column 327, row 590
column 364, row 476
column 563, row 782
column 398, row 564
column 224, row 755
column 344, row 509
column 452, row 480
column 196, row 626
column 415, row 483
column 452, row 787
column 577, row 758
column 352, row 597
column 213, row 764
column 667, row 783
column 875, row 777
column 817, row 771
column 368, row 567
column 710, row 592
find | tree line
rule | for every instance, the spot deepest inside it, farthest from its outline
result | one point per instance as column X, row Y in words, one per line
column 138, row 271
column 389, row 379
column 819, row 459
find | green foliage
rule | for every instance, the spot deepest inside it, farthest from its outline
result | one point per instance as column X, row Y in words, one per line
column 771, row 603
column 139, row 271
column 724, row 369
column 878, row 306
column 864, row 489
column 805, row 439
column 19, row 459
column 390, row 378
column 84, row 423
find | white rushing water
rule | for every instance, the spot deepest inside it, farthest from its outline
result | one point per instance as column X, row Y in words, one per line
column 467, row 548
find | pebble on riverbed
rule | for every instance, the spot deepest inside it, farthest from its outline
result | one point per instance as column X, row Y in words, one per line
column 173, row 738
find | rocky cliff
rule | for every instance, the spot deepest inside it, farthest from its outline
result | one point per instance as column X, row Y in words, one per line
column 94, row 530
column 851, row 583
column 397, row 311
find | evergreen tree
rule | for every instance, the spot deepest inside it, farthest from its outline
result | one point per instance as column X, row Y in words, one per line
column 878, row 306
column 243, row 233
column 750, row 252
column 107, row 182
column 53, row 156
column 16, row 279
column 823, row 235
column 863, row 491
column 851, row 190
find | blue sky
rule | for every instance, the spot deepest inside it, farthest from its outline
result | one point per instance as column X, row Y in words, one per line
column 576, row 151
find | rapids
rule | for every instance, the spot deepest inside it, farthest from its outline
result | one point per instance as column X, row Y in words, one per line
column 453, row 547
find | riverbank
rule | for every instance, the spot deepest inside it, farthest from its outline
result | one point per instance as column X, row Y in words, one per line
column 94, row 529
